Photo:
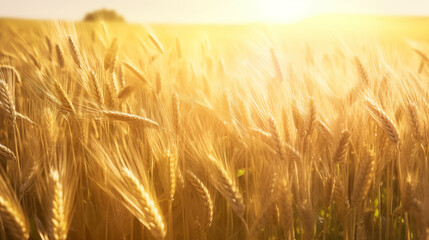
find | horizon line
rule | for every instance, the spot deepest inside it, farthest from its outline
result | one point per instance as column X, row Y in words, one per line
column 334, row 14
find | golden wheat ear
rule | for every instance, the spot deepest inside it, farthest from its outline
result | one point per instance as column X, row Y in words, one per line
column 383, row 120
column 6, row 153
column 363, row 180
column 156, row 43
column 96, row 89
column 276, row 65
column 14, row 220
column 60, row 56
column 132, row 119
column 414, row 122
column 136, row 73
column 58, row 224
column 204, row 198
column 361, row 71
column 227, row 187
column 147, row 211
column 66, row 103
column 341, row 151
column 6, row 101
column 74, row 52
column 111, row 56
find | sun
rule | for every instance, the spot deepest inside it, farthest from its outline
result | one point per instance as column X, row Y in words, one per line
column 284, row 10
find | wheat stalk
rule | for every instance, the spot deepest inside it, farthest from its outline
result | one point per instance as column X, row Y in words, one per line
column 175, row 112
column 409, row 193
column 285, row 203
column 262, row 217
column 9, row 69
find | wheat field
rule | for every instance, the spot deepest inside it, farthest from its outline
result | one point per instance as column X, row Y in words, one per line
column 122, row 131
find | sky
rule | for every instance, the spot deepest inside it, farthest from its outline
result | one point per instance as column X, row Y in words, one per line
column 208, row 11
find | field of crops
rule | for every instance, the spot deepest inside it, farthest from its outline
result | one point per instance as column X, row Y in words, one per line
column 315, row 130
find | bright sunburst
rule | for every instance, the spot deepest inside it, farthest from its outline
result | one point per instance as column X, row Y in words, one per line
column 284, row 10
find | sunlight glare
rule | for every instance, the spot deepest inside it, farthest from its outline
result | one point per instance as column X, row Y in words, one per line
column 284, row 10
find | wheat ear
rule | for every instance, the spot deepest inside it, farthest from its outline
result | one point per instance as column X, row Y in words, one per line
column 276, row 64
column 66, row 103
column 136, row 72
column 11, row 213
column 383, row 120
column 361, row 70
column 74, row 52
column 60, row 56
column 414, row 122
column 312, row 117
column 95, row 85
column 227, row 187
column 148, row 213
column 6, row 101
column 131, row 119
column 363, row 180
column 49, row 44
column 156, row 43
column 6, row 153
column 277, row 141
column 204, row 198
column 111, row 55
column 341, row 151
column 58, row 218
column 286, row 128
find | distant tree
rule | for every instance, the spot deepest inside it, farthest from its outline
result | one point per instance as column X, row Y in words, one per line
column 104, row 15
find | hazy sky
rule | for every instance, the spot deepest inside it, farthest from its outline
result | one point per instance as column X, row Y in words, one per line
column 207, row 10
